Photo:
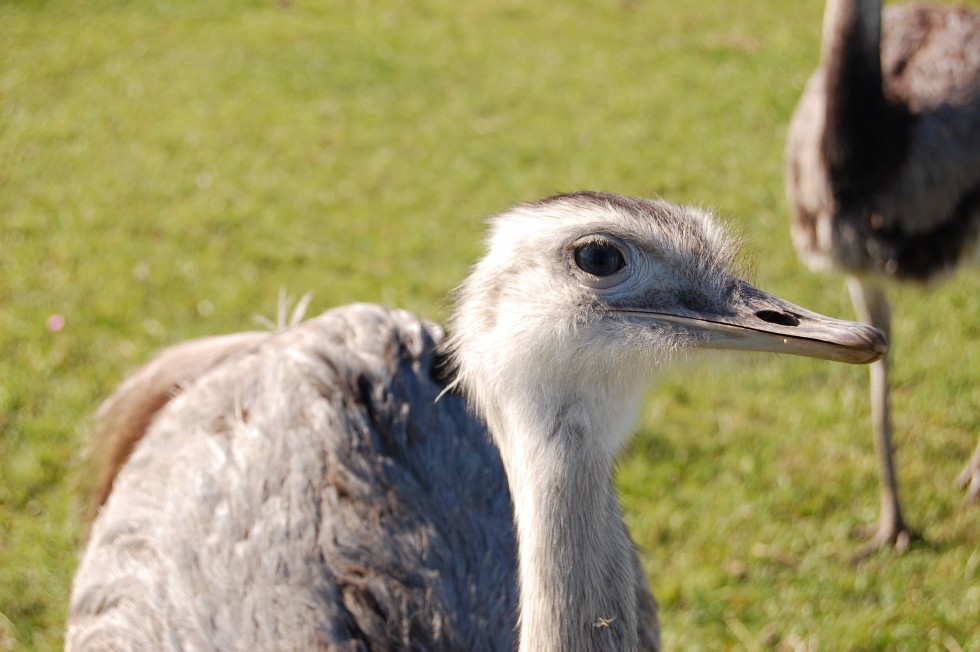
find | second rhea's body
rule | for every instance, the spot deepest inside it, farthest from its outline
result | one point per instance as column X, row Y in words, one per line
column 883, row 173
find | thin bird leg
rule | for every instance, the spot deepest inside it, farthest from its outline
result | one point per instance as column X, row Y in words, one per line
column 871, row 305
column 970, row 477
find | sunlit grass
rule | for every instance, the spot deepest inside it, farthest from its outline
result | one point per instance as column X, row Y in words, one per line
column 167, row 167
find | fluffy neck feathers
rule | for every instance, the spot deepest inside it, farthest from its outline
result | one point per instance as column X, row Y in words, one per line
column 578, row 583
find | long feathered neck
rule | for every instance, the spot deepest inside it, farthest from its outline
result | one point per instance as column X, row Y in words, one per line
column 862, row 131
column 577, row 579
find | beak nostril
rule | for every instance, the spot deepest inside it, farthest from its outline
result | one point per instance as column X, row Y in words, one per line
column 781, row 318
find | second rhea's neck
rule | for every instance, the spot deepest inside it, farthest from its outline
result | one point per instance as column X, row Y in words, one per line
column 862, row 129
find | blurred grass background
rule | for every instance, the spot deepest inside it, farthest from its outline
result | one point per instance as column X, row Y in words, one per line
column 166, row 167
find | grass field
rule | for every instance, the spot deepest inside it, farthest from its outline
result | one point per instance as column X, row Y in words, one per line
column 167, row 167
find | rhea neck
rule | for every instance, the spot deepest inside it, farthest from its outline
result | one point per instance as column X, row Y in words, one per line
column 577, row 579
column 863, row 131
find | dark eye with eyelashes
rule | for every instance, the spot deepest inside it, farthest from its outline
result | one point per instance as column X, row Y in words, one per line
column 599, row 258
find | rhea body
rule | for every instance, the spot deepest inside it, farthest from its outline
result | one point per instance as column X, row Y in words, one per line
column 883, row 174
column 306, row 489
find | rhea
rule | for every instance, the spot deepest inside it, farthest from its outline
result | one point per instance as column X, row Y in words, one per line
column 327, row 487
column 883, row 174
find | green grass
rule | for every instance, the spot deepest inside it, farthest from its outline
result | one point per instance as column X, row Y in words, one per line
column 166, row 167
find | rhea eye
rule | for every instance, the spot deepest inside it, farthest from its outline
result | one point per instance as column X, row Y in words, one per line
column 599, row 258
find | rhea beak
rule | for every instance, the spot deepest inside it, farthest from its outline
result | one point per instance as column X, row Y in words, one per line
column 757, row 321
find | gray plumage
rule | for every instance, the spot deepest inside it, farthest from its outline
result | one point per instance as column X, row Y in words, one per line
column 883, row 173
column 323, row 488
column 215, row 531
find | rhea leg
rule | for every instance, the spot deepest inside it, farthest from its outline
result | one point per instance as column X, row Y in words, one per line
column 872, row 308
column 970, row 477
